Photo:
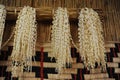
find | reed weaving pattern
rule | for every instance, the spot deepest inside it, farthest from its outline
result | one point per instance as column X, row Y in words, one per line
column 75, row 72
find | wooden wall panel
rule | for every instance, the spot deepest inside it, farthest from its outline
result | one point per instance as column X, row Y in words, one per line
column 111, row 11
column 76, row 72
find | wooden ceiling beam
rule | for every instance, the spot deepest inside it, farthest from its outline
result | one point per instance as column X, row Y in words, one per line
column 45, row 13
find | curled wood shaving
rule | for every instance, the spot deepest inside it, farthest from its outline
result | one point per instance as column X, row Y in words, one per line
column 91, row 41
column 60, row 38
column 24, row 41
column 2, row 22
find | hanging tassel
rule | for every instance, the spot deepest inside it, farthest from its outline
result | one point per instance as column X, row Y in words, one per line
column 60, row 38
column 2, row 22
column 91, row 41
column 24, row 41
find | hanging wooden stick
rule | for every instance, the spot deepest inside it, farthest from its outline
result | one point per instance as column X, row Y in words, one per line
column 2, row 22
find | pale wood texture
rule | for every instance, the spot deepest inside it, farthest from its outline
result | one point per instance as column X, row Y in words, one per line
column 110, row 9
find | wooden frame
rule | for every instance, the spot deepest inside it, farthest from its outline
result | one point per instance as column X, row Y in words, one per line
column 46, row 13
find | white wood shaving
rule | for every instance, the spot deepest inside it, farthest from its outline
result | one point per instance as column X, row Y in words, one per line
column 2, row 22
column 91, row 41
column 60, row 38
column 24, row 41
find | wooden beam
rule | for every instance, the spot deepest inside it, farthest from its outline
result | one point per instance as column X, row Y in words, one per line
column 96, row 76
column 47, row 47
column 59, row 76
column 117, row 70
column 2, row 78
column 118, row 55
column 95, row 71
column 32, row 78
column 112, row 64
column 45, row 13
column 102, row 79
column 116, row 59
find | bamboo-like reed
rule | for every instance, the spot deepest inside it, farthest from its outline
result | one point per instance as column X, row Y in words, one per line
column 110, row 10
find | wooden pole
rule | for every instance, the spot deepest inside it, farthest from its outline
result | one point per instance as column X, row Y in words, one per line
column 45, row 13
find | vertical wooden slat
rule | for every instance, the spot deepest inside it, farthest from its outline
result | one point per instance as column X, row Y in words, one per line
column 26, row 3
column 111, row 10
column 17, row 3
